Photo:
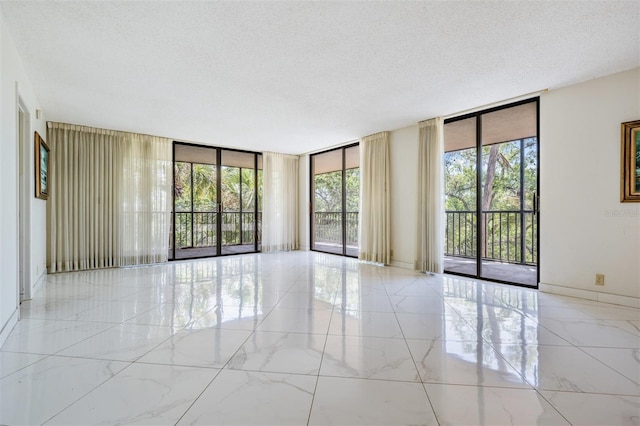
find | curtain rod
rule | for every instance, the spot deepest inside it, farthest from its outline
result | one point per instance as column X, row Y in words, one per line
column 50, row 125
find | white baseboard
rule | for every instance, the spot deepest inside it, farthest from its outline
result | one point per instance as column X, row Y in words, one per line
column 7, row 328
column 629, row 301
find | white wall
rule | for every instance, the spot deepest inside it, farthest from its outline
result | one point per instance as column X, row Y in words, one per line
column 304, row 200
column 12, row 72
column 403, row 176
column 584, row 228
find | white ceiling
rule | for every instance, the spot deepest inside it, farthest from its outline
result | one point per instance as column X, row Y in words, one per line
column 299, row 76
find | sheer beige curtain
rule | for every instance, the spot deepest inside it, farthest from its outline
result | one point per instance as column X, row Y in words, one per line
column 145, row 200
column 375, row 235
column 109, row 203
column 430, row 228
column 280, row 202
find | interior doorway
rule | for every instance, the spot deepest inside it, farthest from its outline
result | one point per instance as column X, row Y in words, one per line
column 491, row 194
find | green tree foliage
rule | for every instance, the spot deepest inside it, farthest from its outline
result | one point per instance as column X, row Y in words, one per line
column 195, row 190
column 328, row 191
column 504, row 194
column 500, row 191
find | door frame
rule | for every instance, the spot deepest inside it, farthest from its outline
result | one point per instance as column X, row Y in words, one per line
column 479, row 172
column 219, row 211
column 23, row 207
column 343, row 149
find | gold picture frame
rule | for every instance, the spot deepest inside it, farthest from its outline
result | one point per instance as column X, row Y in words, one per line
column 41, row 167
column 630, row 162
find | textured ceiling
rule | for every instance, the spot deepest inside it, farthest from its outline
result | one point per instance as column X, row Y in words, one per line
column 299, row 76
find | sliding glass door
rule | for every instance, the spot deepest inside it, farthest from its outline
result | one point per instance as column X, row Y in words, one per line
column 335, row 189
column 491, row 193
column 241, row 202
column 217, row 202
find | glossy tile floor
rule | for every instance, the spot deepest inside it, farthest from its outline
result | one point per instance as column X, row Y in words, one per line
column 311, row 338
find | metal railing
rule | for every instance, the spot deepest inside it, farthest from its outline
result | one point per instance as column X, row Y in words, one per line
column 508, row 236
column 327, row 228
column 199, row 229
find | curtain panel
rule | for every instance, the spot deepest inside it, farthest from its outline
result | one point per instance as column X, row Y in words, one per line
column 109, row 204
column 430, row 196
column 280, row 202
column 375, row 227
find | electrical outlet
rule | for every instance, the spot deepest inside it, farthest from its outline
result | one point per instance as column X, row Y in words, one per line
column 599, row 279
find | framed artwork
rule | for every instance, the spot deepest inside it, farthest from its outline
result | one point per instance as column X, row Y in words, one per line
column 42, row 167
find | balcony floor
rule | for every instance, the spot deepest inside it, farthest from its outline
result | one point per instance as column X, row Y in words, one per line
column 196, row 252
column 335, row 248
column 508, row 272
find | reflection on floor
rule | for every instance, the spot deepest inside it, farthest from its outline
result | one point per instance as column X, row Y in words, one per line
column 509, row 272
column 311, row 338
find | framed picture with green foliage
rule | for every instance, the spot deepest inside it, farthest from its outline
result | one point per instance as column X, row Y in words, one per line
column 630, row 162
column 41, row 167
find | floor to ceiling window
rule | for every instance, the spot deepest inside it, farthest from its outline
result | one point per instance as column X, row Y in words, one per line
column 335, row 189
column 491, row 192
column 217, row 202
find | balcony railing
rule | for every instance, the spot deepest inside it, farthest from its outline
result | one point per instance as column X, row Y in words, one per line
column 199, row 229
column 506, row 237
column 327, row 228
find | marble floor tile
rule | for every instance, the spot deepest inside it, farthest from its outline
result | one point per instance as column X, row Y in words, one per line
column 412, row 286
column 364, row 323
column 520, row 329
column 49, row 337
column 624, row 361
column 208, row 347
column 630, row 326
column 112, row 312
column 368, row 357
column 463, row 363
column 53, row 309
column 296, row 321
column 38, row 392
column 306, row 301
column 151, row 295
column 565, row 368
column 280, row 352
column 230, row 317
column 473, row 405
column 10, row 362
column 437, row 327
column 85, row 292
column 596, row 409
column 345, row 401
column 253, row 398
column 592, row 311
column 65, row 290
column 410, row 304
column 599, row 333
column 123, row 342
column 170, row 315
column 311, row 338
column 366, row 303
column 140, row 394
